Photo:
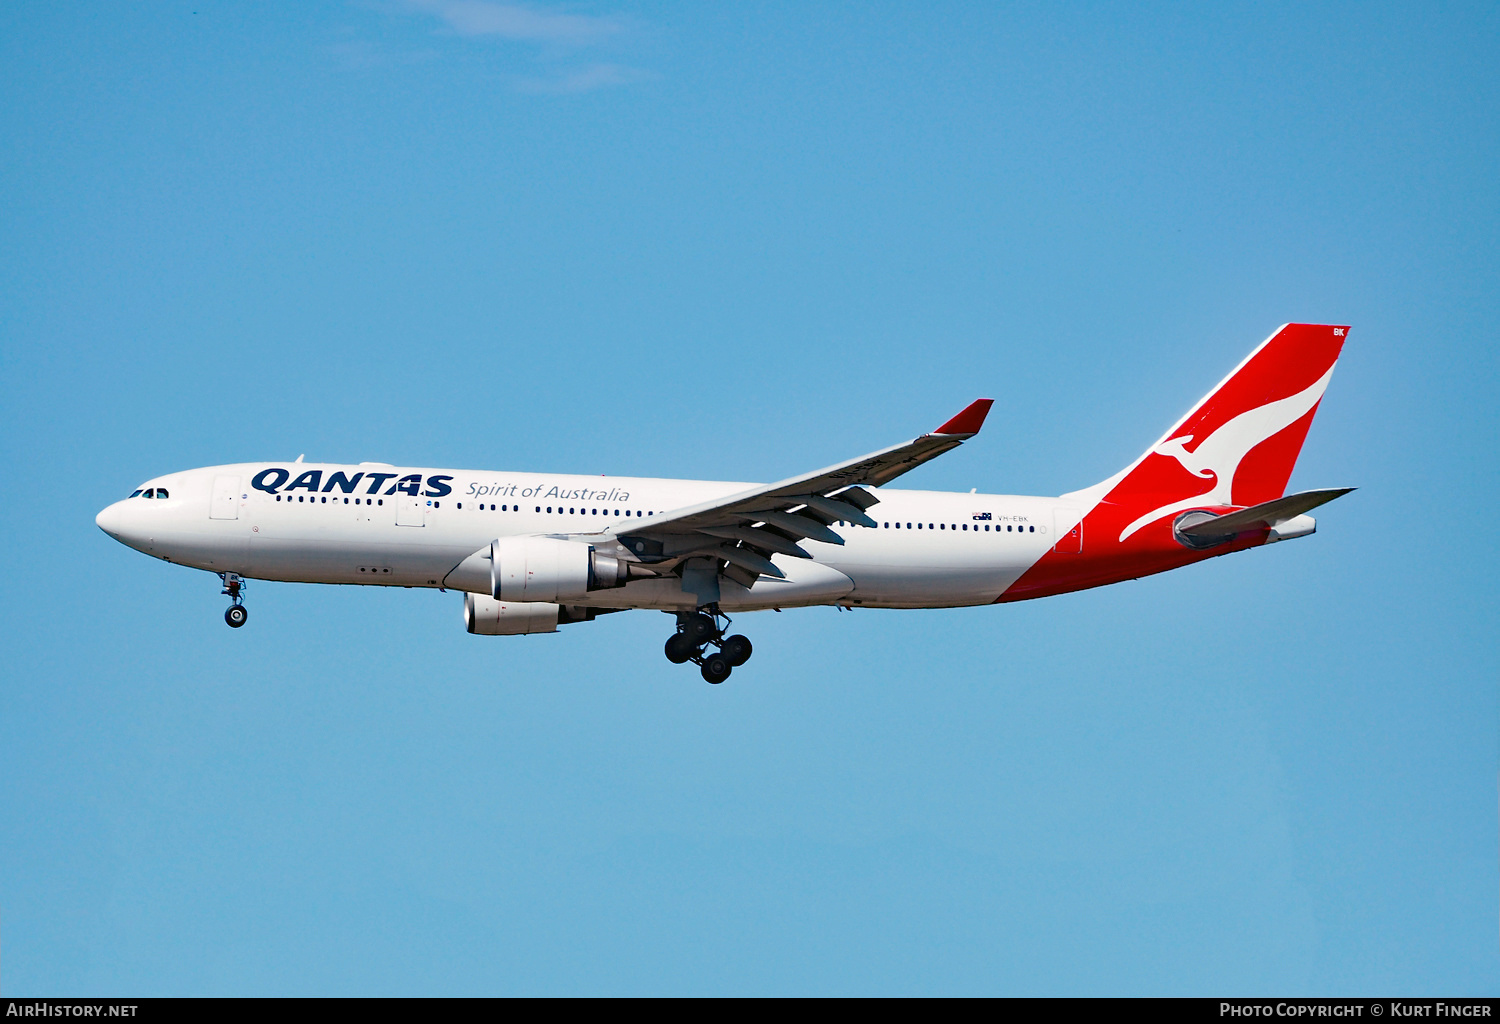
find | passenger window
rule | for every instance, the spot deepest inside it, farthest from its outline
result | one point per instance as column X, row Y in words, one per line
column 380, row 501
column 346, row 501
column 1031, row 529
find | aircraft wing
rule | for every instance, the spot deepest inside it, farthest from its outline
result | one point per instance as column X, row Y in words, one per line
column 743, row 530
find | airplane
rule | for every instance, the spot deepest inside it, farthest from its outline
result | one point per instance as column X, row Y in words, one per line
column 532, row 551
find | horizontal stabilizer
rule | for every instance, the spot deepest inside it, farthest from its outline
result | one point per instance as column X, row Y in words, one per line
column 1266, row 514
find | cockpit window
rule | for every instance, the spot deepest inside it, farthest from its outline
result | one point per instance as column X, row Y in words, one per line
column 161, row 492
column 149, row 493
column 136, row 493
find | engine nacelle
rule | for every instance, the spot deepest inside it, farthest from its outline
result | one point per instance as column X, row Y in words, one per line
column 547, row 569
column 489, row 617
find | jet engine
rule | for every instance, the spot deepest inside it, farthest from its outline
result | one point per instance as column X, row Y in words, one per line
column 489, row 617
column 544, row 569
column 547, row 569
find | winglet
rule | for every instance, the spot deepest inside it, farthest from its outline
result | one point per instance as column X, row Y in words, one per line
column 970, row 420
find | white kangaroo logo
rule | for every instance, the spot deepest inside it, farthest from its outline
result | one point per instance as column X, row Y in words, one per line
column 1219, row 454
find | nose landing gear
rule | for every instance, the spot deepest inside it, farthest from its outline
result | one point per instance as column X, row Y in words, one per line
column 700, row 630
column 234, row 588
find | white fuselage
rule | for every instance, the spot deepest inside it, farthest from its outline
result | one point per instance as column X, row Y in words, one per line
column 530, row 551
column 351, row 525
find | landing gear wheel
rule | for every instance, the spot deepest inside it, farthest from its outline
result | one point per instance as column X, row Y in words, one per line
column 234, row 589
column 737, row 649
column 700, row 628
column 716, row 668
column 680, row 649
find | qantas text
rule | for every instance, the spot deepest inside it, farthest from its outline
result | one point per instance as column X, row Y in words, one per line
column 274, row 481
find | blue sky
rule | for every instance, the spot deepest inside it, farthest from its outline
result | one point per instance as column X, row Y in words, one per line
column 740, row 241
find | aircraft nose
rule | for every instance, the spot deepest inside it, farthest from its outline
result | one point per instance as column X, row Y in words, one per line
column 108, row 520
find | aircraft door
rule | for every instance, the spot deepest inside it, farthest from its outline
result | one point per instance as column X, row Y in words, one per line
column 1068, row 524
column 409, row 511
column 225, row 500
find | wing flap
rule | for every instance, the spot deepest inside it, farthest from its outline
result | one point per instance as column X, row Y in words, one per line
column 763, row 539
column 802, row 526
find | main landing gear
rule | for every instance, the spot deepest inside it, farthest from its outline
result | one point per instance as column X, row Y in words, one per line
column 697, row 633
column 234, row 589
